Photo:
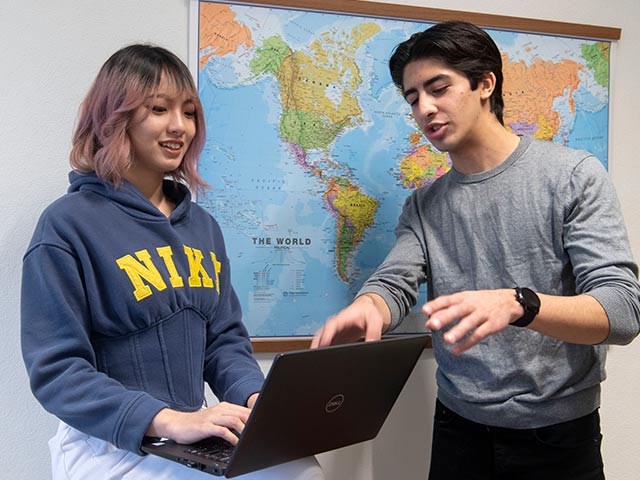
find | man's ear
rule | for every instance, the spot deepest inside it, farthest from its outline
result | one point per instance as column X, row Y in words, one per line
column 486, row 85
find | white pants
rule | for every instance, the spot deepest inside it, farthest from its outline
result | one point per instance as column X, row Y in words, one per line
column 75, row 455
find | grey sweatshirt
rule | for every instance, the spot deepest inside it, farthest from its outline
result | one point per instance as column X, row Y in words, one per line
column 547, row 218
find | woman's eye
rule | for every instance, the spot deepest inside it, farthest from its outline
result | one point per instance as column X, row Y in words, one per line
column 190, row 113
column 158, row 109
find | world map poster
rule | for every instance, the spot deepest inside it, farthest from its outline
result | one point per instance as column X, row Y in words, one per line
column 311, row 150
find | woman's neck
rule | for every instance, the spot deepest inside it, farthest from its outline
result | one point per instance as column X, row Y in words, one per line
column 153, row 189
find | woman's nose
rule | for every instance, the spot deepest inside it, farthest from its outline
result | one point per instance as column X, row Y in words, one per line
column 176, row 123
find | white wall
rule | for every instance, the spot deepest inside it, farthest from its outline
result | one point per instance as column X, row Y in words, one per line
column 51, row 52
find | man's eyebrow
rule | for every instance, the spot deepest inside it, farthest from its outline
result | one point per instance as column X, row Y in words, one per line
column 426, row 84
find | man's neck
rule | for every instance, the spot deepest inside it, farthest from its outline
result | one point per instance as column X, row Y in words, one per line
column 489, row 148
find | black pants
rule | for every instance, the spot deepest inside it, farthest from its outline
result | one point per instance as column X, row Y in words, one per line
column 465, row 450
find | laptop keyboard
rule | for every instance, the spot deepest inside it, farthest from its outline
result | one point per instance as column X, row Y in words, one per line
column 213, row 448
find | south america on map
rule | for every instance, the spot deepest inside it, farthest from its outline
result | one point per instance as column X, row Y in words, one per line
column 311, row 150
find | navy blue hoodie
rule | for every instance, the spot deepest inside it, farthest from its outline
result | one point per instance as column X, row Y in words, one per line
column 126, row 312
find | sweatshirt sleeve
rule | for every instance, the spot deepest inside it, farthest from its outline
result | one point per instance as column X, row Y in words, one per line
column 596, row 238
column 398, row 278
column 60, row 359
column 230, row 368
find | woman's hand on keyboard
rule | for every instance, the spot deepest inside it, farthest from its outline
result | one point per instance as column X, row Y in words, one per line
column 220, row 420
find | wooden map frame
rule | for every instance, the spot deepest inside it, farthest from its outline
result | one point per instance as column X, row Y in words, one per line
column 431, row 15
column 421, row 14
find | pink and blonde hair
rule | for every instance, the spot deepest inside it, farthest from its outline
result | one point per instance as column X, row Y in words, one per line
column 100, row 141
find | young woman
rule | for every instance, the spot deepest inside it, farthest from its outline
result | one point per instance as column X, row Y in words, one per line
column 127, row 304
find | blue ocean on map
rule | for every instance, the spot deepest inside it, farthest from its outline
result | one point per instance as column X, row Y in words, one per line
column 588, row 133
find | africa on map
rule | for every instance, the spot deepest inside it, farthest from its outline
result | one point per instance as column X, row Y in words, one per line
column 311, row 150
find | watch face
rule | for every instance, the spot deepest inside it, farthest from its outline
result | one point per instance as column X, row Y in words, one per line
column 532, row 300
column 531, row 304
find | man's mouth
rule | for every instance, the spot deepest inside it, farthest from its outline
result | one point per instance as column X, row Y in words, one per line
column 434, row 131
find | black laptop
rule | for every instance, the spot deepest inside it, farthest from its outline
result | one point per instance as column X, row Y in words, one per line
column 312, row 401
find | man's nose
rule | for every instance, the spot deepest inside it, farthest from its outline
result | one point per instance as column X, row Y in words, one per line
column 425, row 107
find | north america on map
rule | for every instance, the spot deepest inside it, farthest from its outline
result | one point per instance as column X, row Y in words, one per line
column 311, row 150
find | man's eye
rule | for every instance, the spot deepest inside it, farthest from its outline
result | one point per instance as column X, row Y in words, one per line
column 440, row 90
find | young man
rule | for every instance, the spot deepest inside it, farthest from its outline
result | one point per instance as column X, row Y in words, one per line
column 529, row 273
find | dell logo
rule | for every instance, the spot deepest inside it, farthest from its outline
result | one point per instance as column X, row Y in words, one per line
column 334, row 404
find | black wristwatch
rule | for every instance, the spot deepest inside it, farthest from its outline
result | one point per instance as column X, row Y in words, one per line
column 531, row 304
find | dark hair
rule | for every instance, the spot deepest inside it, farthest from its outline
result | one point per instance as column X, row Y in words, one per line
column 128, row 77
column 462, row 46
